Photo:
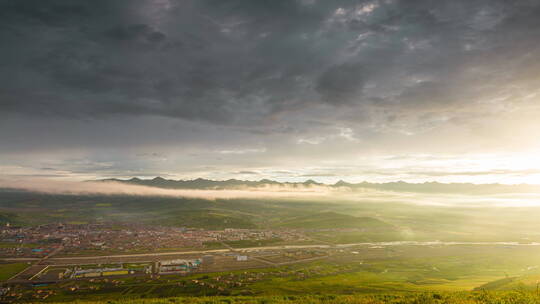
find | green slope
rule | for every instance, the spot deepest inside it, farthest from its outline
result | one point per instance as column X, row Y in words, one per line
column 395, row 298
column 208, row 219
column 524, row 282
column 328, row 220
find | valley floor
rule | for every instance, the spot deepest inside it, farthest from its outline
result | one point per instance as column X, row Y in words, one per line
column 373, row 274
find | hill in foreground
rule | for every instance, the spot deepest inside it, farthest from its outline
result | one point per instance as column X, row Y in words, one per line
column 395, row 298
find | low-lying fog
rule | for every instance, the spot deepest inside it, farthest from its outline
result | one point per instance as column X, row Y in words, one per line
column 314, row 192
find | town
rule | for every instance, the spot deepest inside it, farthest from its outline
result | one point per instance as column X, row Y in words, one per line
column 113, row 252
column 89, row 239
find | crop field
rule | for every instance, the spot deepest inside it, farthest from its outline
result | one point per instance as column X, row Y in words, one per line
column 11, row 269
column 288, row 257
column 228, row 263
column 29, row 271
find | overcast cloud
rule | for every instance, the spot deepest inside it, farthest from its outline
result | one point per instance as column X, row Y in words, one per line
column 279, row 89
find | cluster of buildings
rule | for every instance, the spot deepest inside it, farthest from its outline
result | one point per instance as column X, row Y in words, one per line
column 178, row 266
column 75, row 238
column 93, row 273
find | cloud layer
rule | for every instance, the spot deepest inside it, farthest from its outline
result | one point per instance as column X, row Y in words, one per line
column 115, row 188
column 319, row 193
column 108, row 88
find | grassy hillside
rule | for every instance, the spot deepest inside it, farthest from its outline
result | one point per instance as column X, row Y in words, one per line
column 393, row 298
column 10, row 218
column 328, row 220
column 209, row 219
column 529, row 282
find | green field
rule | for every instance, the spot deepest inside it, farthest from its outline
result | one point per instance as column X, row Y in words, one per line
column 510, row 297
column 326, row 220
column 9, row 270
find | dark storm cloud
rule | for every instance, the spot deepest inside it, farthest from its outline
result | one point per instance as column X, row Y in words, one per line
column 237, row 62
column 341, row 84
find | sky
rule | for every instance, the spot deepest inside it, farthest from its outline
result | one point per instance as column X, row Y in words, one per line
column 381, row 90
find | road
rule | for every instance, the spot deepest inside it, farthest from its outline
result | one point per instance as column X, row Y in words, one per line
column 249, row 249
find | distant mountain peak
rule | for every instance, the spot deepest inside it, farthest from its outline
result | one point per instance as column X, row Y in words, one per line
column 267, row 181
column 342, row 183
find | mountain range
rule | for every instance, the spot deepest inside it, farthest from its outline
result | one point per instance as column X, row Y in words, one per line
column 399, row 186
